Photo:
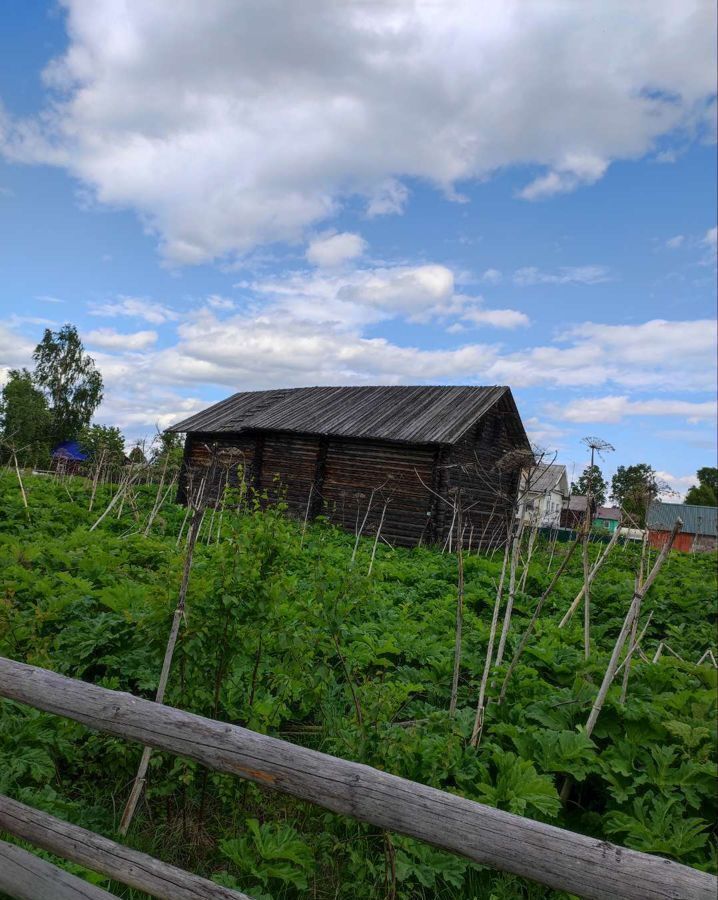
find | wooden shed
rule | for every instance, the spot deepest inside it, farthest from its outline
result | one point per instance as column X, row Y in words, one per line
column 399, row 455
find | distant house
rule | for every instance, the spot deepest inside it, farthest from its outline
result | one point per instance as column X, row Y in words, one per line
column 361, row 456
column 69, row 457
column 607, row 517
column 544, row 490
column 700, row 526
column 574, row 511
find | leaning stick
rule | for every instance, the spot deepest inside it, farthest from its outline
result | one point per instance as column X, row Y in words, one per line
column 140, row 778
column 459, row 613
column 539, row 606
column 633, row 645
column 515, row 547
column 586, row 597
column 632, row 642
column 480, row 706
column 22, row 486
column 610, row 673
column 376, row 539
column 594, row 571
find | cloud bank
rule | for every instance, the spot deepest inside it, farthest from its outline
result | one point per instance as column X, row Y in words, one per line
column 229, row 125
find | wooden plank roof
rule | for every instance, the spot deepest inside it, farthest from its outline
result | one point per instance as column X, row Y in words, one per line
column 415, row 414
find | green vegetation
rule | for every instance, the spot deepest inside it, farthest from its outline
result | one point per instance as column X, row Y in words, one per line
column 705, row 493
column 285, row 636
column 54, row 403
column 592, row 477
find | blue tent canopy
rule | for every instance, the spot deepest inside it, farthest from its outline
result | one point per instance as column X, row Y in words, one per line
column 70, row 450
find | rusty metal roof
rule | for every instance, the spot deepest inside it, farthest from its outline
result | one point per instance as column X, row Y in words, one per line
column 696, row 519
column 416, row 414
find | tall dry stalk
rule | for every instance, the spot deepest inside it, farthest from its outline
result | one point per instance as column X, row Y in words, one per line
column 592, row 575
column 22, row 486
column 376, row 538
column 516, row 546
column 459, row 611
column 141, row 776
column 529, row 628
column 610, row 672
column 481, row 703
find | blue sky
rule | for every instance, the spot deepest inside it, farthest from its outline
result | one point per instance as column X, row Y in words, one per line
column 227, row 197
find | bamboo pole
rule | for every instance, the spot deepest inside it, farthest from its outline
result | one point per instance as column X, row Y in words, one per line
column 561, row 859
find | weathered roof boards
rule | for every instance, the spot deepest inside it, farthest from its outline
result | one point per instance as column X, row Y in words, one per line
column 399, row 456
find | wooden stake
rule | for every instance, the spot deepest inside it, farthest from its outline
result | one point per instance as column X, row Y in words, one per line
column 140, row 778
column 512, row 590
column 539, row 606
column 594, row 571
column 610, row 673
column 480, row 706
column 376, row 539
column 459, row 612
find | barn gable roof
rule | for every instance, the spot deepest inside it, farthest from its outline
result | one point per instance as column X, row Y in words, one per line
column 414, row 414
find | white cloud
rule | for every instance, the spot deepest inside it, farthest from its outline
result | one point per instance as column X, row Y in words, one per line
column 654, row 354
column 15, row 350
column 330, row 251
column 387, row 198
column 363, row 296
column 710, row 242
column 574, row 171
column 675, row 242
column 679, row 485
column 491, row 276
column 215, row 301
column 109, row 339
column 530, row 275
column 134, row 307
column 614, row 408
column 224, row 127
column 498, row 318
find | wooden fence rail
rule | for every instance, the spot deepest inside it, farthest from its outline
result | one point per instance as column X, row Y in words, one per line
column 25, row 877
column 552, row 856
column 138, row 870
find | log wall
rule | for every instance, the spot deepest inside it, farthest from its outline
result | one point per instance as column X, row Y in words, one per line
column 355, row 481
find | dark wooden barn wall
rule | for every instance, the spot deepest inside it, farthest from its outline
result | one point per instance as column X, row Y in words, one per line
column 487, row 492
column 355, row 469
column 346, row 480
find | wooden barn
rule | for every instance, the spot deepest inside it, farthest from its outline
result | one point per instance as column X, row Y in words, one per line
column 360, row 456
column 699, row 533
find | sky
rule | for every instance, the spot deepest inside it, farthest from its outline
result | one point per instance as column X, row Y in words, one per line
column 231, row 196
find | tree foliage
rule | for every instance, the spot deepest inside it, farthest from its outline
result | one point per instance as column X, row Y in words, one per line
column 591, row 476
column 705, row 493
column 25, row 419
column 633, row 488
column 70, row 380
column 103, row 442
